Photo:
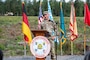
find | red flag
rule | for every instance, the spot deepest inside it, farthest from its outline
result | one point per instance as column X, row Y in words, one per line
column 73, row 24
column 25, row 26
column 87, row 15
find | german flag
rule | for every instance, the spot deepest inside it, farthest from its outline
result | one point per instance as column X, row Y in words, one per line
column 25, row 26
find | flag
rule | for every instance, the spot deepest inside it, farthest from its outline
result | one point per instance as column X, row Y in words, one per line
column 51, row 18
column 87, row 15
column 50, row 12
column 62, row 26
column 25, row 26
column 40, row 18
column 73, row 24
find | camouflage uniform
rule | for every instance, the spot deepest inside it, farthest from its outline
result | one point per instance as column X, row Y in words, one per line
column 50, row 27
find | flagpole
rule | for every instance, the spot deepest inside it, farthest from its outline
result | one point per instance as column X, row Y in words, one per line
column 24, row 45
column 61, row 38
column 84, row 32
column 71, row 47
column 56, row 50
column 84, row 38
column 61, row 46
column 25, row 29
column 71, row 40
column 25, row 49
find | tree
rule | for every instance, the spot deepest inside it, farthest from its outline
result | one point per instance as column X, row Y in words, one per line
column 7, row 6
column 52, row 4
column 35, row 7
column 19, row 7
column 88, row 1
column 44, row 8
column 30, row 8
column 56, row 9
column 78, row 7
column 66, row 8
column 2, row 7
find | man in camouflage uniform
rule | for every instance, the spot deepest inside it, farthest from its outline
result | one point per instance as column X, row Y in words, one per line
column 50, row 26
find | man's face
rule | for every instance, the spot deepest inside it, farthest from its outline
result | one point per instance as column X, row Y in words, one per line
column 46, row 16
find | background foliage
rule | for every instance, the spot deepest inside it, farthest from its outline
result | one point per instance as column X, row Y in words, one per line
column 32, row 8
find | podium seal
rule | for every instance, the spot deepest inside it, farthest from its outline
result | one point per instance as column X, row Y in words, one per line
column 40, row 47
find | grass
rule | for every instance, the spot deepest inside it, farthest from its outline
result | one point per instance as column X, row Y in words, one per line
column 11, row 34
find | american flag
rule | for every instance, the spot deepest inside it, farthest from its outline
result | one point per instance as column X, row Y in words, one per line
column 40, row 18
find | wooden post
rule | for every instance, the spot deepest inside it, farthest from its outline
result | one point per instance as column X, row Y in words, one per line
column 71, row 47
column 24, row 44
column 61, row 46
column 84, row 39
column 25, row 49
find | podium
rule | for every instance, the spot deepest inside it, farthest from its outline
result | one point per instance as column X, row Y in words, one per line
column 39, row 33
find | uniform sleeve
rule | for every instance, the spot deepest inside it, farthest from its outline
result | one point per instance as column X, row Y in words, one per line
column 42, row 25
column 55, row 27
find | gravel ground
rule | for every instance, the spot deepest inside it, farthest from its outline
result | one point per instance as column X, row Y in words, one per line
column 66, row 57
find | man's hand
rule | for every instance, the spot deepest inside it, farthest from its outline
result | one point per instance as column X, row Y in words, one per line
column 53, row 37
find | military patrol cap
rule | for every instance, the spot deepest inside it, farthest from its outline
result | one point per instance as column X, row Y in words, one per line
column 45, row 12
